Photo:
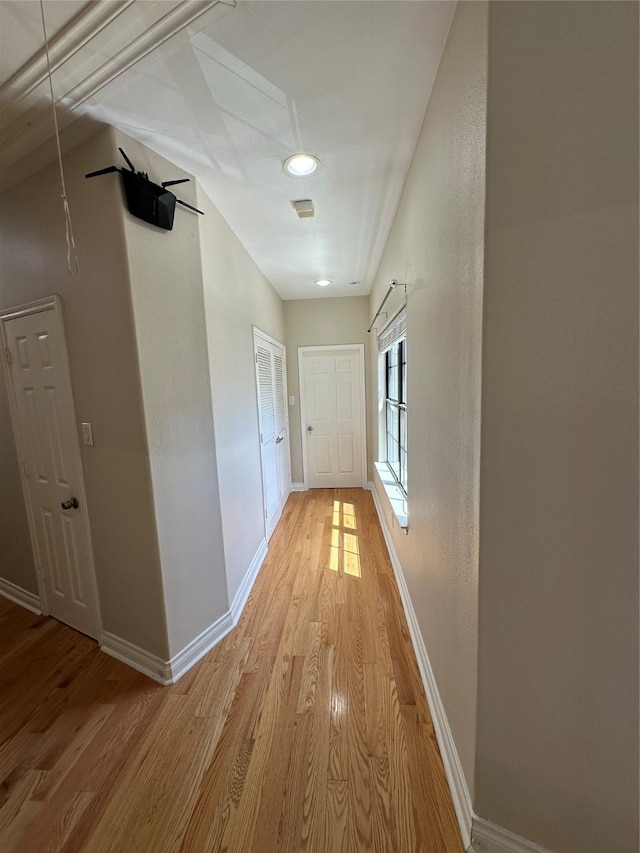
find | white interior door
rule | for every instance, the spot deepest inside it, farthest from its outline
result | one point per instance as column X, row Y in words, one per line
column 47, row 440
column 332, row 392
column 271, row 381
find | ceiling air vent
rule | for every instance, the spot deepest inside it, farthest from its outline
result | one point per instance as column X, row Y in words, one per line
column 304, row 208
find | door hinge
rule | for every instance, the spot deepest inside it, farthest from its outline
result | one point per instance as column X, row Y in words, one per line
column 256, row 358
column 40, row 573
column 7, row 353
column 25, row 470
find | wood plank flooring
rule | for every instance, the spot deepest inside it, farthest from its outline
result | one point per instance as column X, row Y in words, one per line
column 306, row 729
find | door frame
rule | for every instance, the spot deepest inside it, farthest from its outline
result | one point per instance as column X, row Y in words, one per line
column 48, row 303
column 302, row 351
column 257, row 332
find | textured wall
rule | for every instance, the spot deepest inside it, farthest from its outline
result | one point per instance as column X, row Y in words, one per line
column 171, row 336
column 104, row 377
column 557, row 758
column 16, row 555
column 321, row 322
column 236, row 297
column 436, row 246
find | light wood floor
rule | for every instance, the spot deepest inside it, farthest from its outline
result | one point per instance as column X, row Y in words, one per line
column 306, row 729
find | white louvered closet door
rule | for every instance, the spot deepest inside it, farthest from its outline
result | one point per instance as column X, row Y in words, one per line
column 272, row 416
column 282, row 443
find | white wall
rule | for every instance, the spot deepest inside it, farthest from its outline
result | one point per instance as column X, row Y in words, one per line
column 105, row 382
column 322, row 322
column 557, row 754
column 436, row 246
column 551, row 752
column 16, row 555
column 166, row 287
column 236, row 296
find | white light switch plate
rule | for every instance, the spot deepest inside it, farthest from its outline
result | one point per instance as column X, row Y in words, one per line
column 87, row 434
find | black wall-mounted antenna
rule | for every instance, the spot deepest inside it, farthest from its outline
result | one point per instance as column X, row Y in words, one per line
column 153, row 203
column 129, row 163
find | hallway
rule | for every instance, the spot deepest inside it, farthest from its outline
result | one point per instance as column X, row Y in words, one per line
column 305, row 729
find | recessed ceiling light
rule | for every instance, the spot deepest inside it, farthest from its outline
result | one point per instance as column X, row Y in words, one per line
column 301, row 165
column 324, row 282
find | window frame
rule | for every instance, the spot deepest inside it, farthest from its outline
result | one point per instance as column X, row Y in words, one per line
column 397, row 408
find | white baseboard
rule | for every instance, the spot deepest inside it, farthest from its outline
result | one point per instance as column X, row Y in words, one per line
column 450, row 758
column 134, row 656
column 478, row 834
column 275, row 518
column 20, row 596
column 486, row 837
column 168, row 672
column 242, row 593
column 198, row 647
column 298, row 487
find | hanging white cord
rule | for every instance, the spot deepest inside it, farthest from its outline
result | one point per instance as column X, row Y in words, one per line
column 71, row 244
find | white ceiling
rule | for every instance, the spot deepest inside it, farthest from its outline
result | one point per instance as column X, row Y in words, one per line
column 227, row 93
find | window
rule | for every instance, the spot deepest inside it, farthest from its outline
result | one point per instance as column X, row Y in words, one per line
column 392, row 385
column 392, row 412
column 395, row 411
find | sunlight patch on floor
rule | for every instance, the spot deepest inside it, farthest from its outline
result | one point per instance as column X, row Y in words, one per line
column 344, row 543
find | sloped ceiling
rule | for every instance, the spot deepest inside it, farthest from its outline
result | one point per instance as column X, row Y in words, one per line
column 227, row 91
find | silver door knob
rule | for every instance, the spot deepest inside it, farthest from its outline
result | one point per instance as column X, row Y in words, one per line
column 309, row 429
column 72, row 503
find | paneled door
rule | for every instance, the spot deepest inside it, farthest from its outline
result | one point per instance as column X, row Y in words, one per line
column 271, row 383
column 333, row 419
column 49, row 454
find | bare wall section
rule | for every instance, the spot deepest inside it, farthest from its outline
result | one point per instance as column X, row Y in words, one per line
column 16, row 556
column 237, row 296
column 436, row 246
column 557, row 754
column 171, row 336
